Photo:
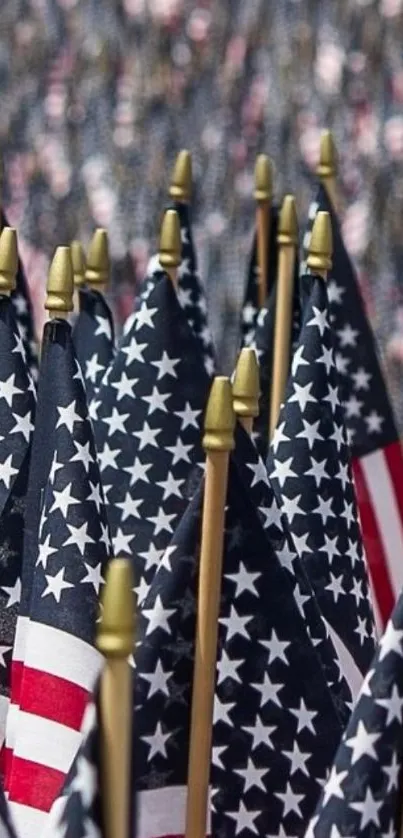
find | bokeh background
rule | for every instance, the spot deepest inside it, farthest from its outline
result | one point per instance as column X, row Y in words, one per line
column 98, row 96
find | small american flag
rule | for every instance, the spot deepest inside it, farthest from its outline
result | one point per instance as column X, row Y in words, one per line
column 93, row 338
column 250, row 307
column 373, row 437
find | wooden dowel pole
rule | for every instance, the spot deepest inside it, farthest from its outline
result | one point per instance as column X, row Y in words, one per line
column 246, row 388
column 263, row 196
column 218, row 441
column 287, row 240
column 116, row 641
column 170, row 252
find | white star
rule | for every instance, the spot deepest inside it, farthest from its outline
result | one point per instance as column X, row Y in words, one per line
column 276, row 648
column 260, row 734
column 259, row 472
column 338, row 436
column 335, row 586
column 298, row 361
column 252, row 776
column 392, row 705
column 222, row 711
column 134, row 351
column 392, row 772
column 121, row 543
column 129, row 507
column 138, row 471
column 304, row 717
column 124, row 387
column 216, row 752
column 330, row 548
column 83, row 455
column 13, row 593
column 23, row 425
column 268, row 691
column 94, row 576
column 347, row 335
column 391, row 641
column 85, row 782
column 352, row 406
column 8, row 390
column 68, row 416
column 279, row 437
column 249, row 314
column 361, row 379
column 310, row 433
column 158, row 680
column 333, row 785
column 156, row 401
column 3, row 651
column 291, row 507
column 188, row 416
column 244, row 819
column 302, row 395
column 291, row 801
column 93, row 408
column 334, row 292
column 158, row 617
column 152, row 556
column 326, row 358
column 179, row 452
column 244, row 581
column 161, row 521
column 7, row 471
column 374, row 422
column 107, row 457
column 362, row 744
column 116, row 421
column 356, row 591
column 332, row 397
column 157, row 742
column 45, row 550
column 171, row 487
column 324, row 509
column 361, row 629
column 56, row 585
column 166, row 366
column 369, row 809
column 63, row 499
column 93, row 368
column 342, row 362
column 298, row 760
column 343, row 475
column 104, row 326
column 283, row 470
column 319, row 319
column 141, row 590
column 236, row 624
column 147, row 436
column 144, row 317
column 79, row 537
column 227, row 668
column 317, row 471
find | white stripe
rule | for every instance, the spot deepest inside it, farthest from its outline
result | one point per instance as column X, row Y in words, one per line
column 20, row 638
column 29, row 821
column 4, row 708
column 11, row 725
column 58, row 653
column 162, row 812
column 348, row 666
column 46, row 742
column 387, row 513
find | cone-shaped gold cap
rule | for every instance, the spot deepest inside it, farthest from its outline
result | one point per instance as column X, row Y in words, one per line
column 170, row 253
column 78, row 262
column 219, row 423
column 59, row 287
column 263, row 178
column 246, row 385
column 116, row 628
column 181, row 180
column 321, row 245
column 8, row 260
column 327, row 166
column 97, row 271
column 288, row 223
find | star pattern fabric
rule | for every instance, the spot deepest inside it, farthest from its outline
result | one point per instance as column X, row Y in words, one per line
column 308, row 463
column 93, row 338
column 372, row 432
column 60, row 659
column 7, row 828
column 148, row 426
column 362, row 795
column 250, row 307
column 24, row 316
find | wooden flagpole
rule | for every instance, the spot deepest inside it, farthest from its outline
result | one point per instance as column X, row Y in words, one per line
column 218, row 441
column 287, row 240
column 180, row 188
column 263, row 196
column 170, row 251
column 246, row 388
column 321, row 245
column 8, row 260
column 116, row 641
column 327, row 167
column 78, row 262
column 98, row 263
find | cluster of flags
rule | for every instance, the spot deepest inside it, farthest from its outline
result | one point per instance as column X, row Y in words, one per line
column 263, row 528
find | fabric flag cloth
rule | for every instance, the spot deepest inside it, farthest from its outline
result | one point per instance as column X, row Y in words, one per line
column 24, row 315
column 250, row 307
column 376, row 450
column 93, row 338
column 308, row 463
column 148, row 426
column 17, row 409
column 362, row 795
column 273, row 711
column 7, row 828
column 60, row 662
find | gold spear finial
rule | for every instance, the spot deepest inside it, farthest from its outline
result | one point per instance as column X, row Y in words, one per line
column 181, row 180
column 78, row 262
column 59, row 297
column 170, row 252
column 327, row 166
column 263, row 178
column 117, row 624
column 219, row 423
column 288, row 223
column 321, row 244
column 8, row 260
column 246, row 387
column 98, row 265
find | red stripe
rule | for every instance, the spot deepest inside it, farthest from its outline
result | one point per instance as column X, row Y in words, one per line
column 53, row 698
column 17, row 669
column 37, row 785
column 394, row 457
column 375, row 554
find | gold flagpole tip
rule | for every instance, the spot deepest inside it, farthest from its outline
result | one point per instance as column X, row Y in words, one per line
column 97, row 271
column 116, row 628
column 327, row 166
column 78, row 262
column 246, row 384
column 219, row 422
column 59, row 298
column 288, row 222
column 8, row 260
column 170, row 253
column 321, row 244
column 263, row 178
column 181, row 181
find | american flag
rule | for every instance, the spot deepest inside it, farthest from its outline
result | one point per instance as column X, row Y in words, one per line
column 308, row 463
column 24, row 316
column 17, row 408
column 373, row 437
column 148, row 420
column 60, row 662
column 273, row 711
column 250, row 307
column 362, row 795
column 93, row 338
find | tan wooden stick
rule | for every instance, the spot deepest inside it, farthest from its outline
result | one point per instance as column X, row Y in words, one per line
column 170, row 252
column 218, row 441
column 263, row 196
column 116, row 640
column 246, row 388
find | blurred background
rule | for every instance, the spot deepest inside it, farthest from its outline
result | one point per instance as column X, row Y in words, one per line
column 98, row 96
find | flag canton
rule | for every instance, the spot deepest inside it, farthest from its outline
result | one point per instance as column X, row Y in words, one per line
column 309, row 466
column 93, row 338
column 250, row 308
column 362, row 795
column 367, row 409
column 148, row 426
column 73, row 532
